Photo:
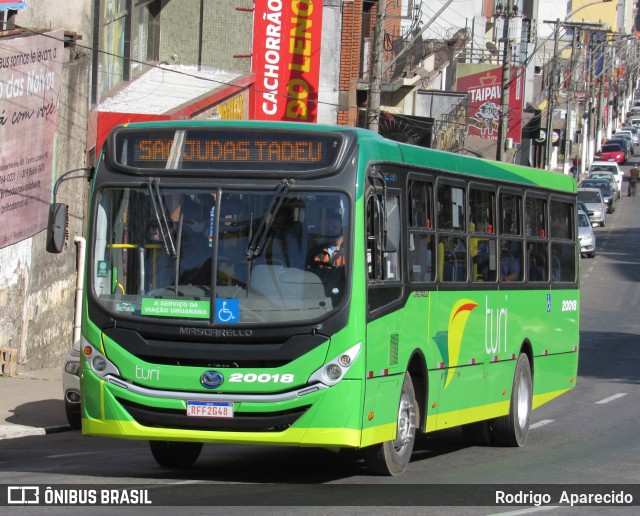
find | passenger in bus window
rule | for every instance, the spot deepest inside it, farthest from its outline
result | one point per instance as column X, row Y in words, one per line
column 333, row 253
column 509, row 264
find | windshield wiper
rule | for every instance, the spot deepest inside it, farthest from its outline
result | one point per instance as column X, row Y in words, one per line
column 160, row 212
column 256, row 241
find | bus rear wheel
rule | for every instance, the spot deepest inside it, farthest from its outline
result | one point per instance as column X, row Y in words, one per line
column 172, row 454
column 513, row 429
column 392, row 457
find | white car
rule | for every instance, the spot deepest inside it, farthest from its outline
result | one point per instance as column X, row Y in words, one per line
column 635, row 134
column 608, row 166
column 71, row 387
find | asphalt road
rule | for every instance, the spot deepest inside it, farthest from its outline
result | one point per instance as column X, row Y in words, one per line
column 589, row 436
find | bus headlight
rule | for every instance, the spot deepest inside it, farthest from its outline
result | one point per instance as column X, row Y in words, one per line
column 333, row 371
column 100, row 364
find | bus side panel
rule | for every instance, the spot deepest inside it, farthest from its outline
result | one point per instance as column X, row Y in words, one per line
column 457, row 376
column 565, row 310
column 554, row 375
column 381, row 409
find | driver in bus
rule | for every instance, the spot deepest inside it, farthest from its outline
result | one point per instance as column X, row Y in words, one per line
column 333, row 253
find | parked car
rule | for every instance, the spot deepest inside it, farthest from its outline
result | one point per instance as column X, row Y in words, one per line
column 586, row 235
column 634, row 121
column 627, row 137
column 607, row 176
column 605, row 188
column 623, row 131
column 613, row 151
column 626, row 143
column 71, row 387
column 635, row 134
column 608, row 166
column 582, row 206
column 594, row 202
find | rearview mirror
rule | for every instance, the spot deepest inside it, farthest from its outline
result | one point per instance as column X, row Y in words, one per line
column 57, row 227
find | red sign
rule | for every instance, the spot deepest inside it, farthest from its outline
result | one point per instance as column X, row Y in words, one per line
column 484, row 85
column 286, row 50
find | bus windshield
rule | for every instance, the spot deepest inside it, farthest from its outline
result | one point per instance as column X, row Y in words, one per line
column 220, row 256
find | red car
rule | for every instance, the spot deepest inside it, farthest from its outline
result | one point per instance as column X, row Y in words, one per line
column 612, row 152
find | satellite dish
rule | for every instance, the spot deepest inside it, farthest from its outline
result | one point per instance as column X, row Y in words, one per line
column 492, row 48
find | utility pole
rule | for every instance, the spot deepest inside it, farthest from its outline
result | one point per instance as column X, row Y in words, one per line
column 503, row 124
column 601, row 84
column 552, row 94
column 375, row 75
column 568, row 130
column 611, row 96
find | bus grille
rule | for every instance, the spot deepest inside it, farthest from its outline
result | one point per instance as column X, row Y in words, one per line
column 241, row 422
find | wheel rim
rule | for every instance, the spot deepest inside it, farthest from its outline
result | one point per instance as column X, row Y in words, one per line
column 406, row 426
column 523, row 402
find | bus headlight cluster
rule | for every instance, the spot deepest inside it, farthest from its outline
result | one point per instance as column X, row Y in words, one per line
column 333, row 371
column 100, row 364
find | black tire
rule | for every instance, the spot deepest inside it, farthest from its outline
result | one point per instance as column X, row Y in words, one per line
column 172, row 454
column 392, row 457
column 591, row 255
column 73, row 415
column 479, row 433
column 513, row 429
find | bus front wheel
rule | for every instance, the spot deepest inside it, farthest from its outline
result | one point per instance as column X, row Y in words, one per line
column 512, row 429
column 391, row 457
column 172, row 454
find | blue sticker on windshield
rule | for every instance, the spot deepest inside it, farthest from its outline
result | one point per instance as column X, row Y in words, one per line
column 227, row 311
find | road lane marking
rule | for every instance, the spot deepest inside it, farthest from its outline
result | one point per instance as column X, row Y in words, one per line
column 611, row 398
column 541, row 423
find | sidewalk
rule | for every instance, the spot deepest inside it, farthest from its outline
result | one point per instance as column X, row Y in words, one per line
column 31, row 404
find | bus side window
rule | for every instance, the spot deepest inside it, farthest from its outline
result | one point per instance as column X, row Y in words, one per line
column 421, row 257
column 421, row 240
column 382, row 262
column 453, row 257
column 374, row 255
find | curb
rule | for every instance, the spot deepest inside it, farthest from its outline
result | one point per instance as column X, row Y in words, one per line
column 17, row 431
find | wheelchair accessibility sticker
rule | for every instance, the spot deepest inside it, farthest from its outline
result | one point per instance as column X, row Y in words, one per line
column 227, row 311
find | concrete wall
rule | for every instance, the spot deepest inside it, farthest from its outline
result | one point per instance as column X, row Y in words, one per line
column 328, row 91
column 36, row 288
column 71, row 15
column 226, row 32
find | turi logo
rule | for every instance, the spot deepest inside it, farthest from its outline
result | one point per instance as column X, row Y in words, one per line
column 457, row 323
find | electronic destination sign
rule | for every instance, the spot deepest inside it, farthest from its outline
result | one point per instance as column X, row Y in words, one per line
column 225, row 149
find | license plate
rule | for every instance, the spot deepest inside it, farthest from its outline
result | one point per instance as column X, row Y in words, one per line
column 210, row 408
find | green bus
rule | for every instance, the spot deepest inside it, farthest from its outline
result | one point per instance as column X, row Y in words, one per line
column 309, row 285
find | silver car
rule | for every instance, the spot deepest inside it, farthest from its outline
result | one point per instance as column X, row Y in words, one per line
column 592, row 198
column 609, row 176
column 71, row 387
column 586, row 235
